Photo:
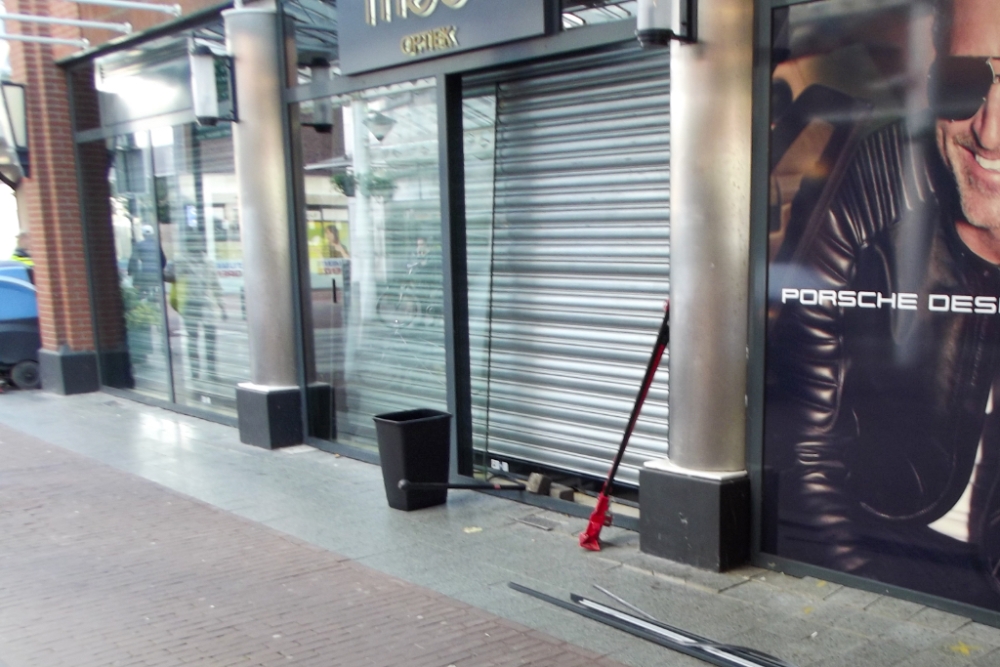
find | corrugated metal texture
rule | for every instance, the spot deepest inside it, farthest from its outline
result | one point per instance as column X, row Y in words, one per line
column 579, row 264
column 394, row 357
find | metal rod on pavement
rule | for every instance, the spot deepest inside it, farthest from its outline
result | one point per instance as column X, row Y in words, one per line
column 667, row 636
column 625, row 603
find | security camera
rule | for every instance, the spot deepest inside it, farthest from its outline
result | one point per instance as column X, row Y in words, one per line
column 659, row 21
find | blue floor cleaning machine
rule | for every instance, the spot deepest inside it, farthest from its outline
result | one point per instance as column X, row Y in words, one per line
column 19, row 335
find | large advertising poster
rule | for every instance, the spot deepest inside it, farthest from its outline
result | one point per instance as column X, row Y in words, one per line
column 882, row 425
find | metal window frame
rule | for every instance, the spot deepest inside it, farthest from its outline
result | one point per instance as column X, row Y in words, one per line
column 451, row 171
column 448, row 73
column 756, row 342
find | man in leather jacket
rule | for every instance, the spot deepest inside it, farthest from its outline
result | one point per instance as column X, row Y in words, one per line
column 883, row 399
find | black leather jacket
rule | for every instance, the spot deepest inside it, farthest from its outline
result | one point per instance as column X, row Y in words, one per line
column 875, row 414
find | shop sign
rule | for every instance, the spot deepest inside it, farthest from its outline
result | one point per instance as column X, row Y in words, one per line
column 881, row 450
column 374, row 34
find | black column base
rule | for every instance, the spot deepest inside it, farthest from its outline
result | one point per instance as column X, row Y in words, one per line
column 116, row 369
column 269, row 417
column 322, row 414
column 68, row 372
column 698, row 521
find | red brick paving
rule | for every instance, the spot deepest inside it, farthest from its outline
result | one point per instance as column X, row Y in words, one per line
column 101, row 568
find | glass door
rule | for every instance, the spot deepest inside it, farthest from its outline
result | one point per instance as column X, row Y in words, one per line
column 141, row 264
column 178, row 252
column 374, row 320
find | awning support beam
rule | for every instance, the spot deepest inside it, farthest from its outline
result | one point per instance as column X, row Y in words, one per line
column 101, row 25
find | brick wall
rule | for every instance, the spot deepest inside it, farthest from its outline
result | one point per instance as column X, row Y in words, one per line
column 50, row 195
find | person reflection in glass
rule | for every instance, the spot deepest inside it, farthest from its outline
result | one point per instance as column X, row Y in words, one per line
column 199, row 302
column 334, row 248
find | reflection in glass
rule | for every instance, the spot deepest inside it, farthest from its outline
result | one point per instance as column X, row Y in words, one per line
column 179, row 258
column 141, row 263
column 580, row 13
column 373, row 229
column 479, row 143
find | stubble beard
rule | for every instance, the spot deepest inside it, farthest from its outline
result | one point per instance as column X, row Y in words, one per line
column 980, row 200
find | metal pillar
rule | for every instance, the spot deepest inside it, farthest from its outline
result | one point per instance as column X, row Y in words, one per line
column 695, row 507
column 270, row 405
column 710, row 106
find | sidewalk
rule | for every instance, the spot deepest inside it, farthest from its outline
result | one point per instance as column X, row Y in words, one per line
column 136, row 536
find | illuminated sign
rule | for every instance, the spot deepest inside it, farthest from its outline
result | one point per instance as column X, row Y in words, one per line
column 375, row 34
column 382, row 10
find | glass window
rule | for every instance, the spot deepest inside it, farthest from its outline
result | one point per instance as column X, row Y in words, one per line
column 373, row 226
column 141, row 264
column 479, row 142
column 315, row 37
column 166, row 259
column 209, row 345
column 579, row 13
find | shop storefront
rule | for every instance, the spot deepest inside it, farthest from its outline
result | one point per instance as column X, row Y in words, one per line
column 532, row 322
column 566, row 247
column 163, row 230
column 465, row 208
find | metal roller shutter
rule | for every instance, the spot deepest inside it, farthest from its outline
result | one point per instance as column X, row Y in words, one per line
column 578, row 256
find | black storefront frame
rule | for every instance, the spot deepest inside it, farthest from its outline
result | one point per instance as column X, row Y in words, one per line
column 448, row 73
column 85, row 60
column 757, row 329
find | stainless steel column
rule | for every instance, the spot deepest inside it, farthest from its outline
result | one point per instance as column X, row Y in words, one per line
column 710, row 106
column 269, row 407
column 258, row 143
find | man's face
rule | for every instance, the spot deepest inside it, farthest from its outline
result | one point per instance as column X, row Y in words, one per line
column 971, row 147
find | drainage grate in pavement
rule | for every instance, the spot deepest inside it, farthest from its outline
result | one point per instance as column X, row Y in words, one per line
column 537, row 521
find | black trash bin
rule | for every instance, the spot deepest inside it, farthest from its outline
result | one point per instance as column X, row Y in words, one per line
column 414, row 445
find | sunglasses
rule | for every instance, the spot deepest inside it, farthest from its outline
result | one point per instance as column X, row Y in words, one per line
column 959, row 85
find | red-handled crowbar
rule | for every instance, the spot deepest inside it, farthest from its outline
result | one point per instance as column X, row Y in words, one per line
column 590, row 538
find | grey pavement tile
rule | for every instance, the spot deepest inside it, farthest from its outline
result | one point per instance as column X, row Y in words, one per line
column 939, row 620
column 919, row 637
column 718, row 623
column 807, row 586
column 793, row 626
column 692, row 576
column 852, row 597
column 979, row 633
column 769, row 597
column 612, row 537
column 950, row 653
column 853, row 620
column 990, row 659
column 902, row 610
column 820, row 645
column 868, row 654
